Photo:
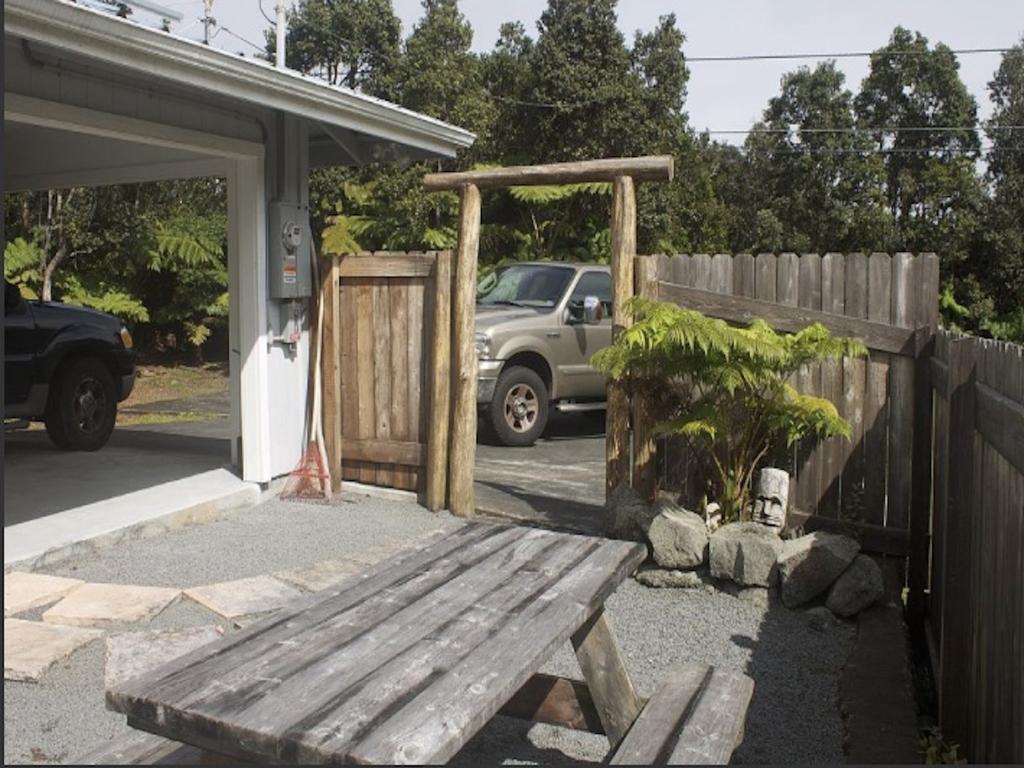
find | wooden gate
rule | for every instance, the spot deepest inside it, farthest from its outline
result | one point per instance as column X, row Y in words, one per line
column 386, row 370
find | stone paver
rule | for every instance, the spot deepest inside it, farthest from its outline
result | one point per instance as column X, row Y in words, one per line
column 101, row 605
column 130, row 654
column 31, row 647
column 25, row 591
column 232, row 599
column 322, row 575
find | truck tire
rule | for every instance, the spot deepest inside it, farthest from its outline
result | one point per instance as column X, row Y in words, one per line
column 82, row 407
column 519, row 411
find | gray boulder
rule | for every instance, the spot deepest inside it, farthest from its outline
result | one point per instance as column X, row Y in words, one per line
column 860, row 586
column 678, row 537
column 819, row 618
column 745, row 553
column 625, row 514
column 661, row 577
column 810, row 564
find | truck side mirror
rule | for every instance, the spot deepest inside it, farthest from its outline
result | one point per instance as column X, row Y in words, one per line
column 593, row 310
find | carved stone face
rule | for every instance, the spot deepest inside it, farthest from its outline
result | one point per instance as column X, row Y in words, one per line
column 769, row 509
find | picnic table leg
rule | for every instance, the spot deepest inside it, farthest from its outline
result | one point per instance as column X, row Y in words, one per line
column 606, row 676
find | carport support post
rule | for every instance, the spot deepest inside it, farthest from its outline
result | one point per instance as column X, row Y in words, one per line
column 463, row 440
column 623, row 254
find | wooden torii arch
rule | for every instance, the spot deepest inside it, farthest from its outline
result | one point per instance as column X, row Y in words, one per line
column 623, row 173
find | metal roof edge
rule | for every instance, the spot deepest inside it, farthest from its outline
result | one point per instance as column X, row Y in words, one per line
column 142, row 49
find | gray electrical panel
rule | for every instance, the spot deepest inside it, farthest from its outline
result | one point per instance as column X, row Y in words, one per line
column 288, row 251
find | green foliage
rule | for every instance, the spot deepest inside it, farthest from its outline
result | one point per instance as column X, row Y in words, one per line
column 725, row 389
column 22, row 260
column 103, row 298
column 937, row 751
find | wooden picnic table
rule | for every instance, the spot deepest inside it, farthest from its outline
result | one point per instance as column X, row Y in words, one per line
column 406, row 662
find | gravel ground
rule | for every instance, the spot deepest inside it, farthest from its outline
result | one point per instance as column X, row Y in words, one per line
column 794, row 715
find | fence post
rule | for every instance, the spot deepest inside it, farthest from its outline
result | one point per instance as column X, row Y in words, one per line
column 645, row 467
column 440, row 385
column 955, row 633
column 623, row 231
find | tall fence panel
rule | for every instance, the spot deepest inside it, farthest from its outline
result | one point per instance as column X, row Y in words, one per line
column 975, row 618
column 891, row 303
column 386, row 369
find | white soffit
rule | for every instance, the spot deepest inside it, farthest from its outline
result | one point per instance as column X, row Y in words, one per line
column 122, row 43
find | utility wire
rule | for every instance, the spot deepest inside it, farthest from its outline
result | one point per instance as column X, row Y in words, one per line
column 844, row 55
column 863, row 129
column 238, row 37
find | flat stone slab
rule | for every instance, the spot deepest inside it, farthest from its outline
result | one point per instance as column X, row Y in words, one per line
column 130, row 654
column 32, row 647
column 101, row 605
column 322, row 575
column 232, row 599
column 25, row 591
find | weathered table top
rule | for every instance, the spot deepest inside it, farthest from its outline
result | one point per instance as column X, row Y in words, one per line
column 403, row 664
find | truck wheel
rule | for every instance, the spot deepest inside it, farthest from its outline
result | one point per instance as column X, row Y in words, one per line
column 82, row 408
column 519, row 410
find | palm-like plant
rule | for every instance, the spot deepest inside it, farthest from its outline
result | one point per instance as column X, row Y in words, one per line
column 725, row 389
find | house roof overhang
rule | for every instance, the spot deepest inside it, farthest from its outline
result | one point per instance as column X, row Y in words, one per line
column 152, row 53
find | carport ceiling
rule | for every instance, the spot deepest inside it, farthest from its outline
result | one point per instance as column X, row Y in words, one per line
column 45, row 158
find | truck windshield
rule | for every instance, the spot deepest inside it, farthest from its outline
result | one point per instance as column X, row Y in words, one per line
column 524, row 286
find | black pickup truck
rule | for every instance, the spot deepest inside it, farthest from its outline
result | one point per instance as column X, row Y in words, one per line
column 67, row 366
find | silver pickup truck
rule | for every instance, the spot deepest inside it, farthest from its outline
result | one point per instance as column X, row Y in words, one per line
column 537, row 326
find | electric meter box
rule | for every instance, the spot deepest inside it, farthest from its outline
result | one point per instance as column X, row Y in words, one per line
column 288, row 252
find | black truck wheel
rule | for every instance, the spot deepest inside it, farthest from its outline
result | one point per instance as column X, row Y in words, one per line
column 82, row 407
column 519, row 411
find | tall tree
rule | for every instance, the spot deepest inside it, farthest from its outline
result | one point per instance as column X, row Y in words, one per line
column 818, row 181
column 924, row 120
column 354, row 43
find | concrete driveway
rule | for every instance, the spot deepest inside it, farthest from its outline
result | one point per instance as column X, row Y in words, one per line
column 557, row 483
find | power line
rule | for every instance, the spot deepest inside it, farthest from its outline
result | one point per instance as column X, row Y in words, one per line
column 237, row 37
column 894, row 151
column 863, row 129
column 843, row 55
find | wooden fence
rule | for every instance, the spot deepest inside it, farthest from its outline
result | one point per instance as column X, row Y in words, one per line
column 975, row 571
column 890, row 302
column 387, row 370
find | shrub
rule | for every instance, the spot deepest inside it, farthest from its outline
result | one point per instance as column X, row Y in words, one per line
column 725, row 389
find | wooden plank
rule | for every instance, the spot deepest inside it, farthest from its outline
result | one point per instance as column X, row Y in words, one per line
column 696, row 717
column 606, row 676
column 384, row 265
column 809, row 452
column 556, row 701
column 398, row 329
column 939, row 373
column 722, row 273
column 682, row 271
column 765, row 267
column 876, row 395
column 382, row 376
column 700, row 264
column 833, row 301
column 655, row 168
column 922, row 471
column 440, row 392
column 743, row 276
column 349, row 373
column 790, row 319
column 463, row 438
column 419, row 331
column 645, row 468
column 787, row 294
column 623, row 252
column 366, row 371
column 381, row 451
column 854, row 384
column 906, row 280
column 954, row 639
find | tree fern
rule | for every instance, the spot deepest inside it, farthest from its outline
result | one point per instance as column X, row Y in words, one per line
column 725, row 389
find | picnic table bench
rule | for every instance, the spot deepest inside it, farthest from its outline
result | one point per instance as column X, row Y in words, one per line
column 406, row 662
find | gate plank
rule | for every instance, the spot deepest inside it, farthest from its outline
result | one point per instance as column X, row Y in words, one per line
column 382, row 374
column 399, row 395
column 906, row 277
column 809, row 453
column 833, row 300
column 854, row 373
column 876, row 399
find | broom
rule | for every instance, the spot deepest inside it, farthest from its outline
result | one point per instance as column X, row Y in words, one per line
column 311, row 479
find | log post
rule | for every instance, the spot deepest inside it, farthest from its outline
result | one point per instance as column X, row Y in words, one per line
column 623, row 231
column 645, row 448
column 440, row 384
column 463, row 437
column 330, row 367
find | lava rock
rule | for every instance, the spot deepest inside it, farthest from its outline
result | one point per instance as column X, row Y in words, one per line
column 678, row 537
column 662, row 577
column 860, row 586
column 745, row 553
column 810, row 564
column 626, row 515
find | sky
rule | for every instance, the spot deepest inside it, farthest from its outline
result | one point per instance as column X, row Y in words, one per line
column 721, row 95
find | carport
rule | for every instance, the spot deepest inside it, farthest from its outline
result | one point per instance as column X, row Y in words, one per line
column 91, row 99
